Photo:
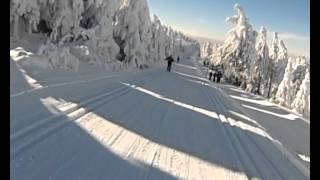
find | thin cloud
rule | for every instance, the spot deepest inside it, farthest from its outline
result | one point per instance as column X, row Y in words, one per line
column 296, row 44
column 299, row 52
column 202, row 20
column 290, row 36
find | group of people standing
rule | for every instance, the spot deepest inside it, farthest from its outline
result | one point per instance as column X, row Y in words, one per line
column 216, row 75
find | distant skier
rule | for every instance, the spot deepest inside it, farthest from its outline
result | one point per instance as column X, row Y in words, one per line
column 214, row 76
column 219, row 75
column 210, row 75
column 237, row 81
column 170, row 60
column 178, row 59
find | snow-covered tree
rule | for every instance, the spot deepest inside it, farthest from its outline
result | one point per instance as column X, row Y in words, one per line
column 132, row 31
column 284, row 94
column 279, row 67
column 24, row 17
column 274, row 47
column 98, row 22
column 260, row 68
column 139, row 38
column 282, row 61
column 301, row 103
column 99, row 32
column 168, row 41
column 203, row 49
column 262, row 64
column 207, row 49
column 157, row 38
column 295, row 72
column 279, row 59
column 273, row 55
column 238, row 51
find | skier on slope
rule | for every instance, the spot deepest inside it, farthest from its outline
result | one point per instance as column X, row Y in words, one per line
column 211, row 73
column 170, row 60
column 219, row 75
column 215, row 76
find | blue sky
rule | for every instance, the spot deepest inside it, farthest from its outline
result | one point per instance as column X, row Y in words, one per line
column 206, row 18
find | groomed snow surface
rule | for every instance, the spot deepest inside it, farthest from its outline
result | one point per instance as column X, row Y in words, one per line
column 150, row 124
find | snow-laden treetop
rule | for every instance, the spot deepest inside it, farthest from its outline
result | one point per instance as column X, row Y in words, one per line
column 240, row 18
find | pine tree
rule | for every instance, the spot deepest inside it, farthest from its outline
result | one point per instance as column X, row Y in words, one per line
column 238, row 52
column 263, row 62
column 301, row 103
column 274, row 58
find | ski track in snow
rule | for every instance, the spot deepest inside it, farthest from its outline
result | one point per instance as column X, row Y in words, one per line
column 289, row 155
column 40, row 87
column 166, row 126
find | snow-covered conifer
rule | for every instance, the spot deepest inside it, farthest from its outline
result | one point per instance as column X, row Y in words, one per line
column 301, row 103
column 238, row 51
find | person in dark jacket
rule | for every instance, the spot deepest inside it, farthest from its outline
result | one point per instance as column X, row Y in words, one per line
column 210, row 75
column 170, row 60
column 219, row 75
column 214, row 76
column 178, row 59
